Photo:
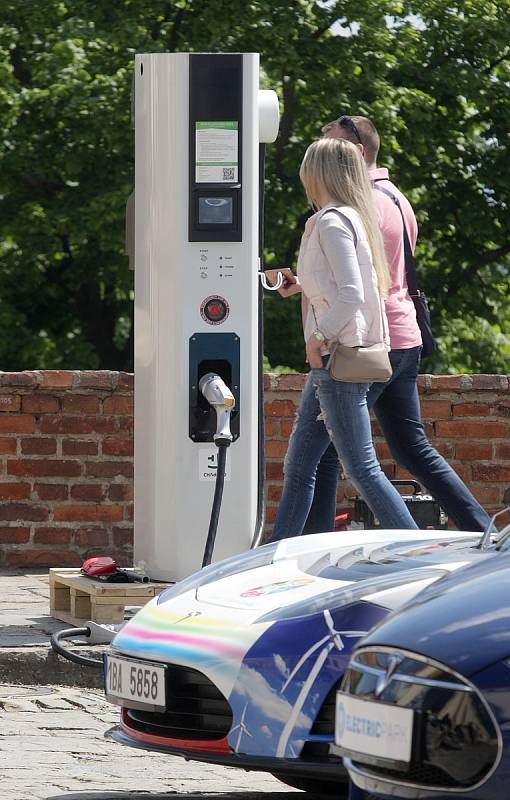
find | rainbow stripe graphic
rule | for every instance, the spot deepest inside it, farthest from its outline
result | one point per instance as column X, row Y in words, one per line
column 203, row 642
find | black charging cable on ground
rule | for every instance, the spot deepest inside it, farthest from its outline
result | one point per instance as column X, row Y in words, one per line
column 72, row 633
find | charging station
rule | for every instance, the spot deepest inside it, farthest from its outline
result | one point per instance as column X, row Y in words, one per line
column 200, row 121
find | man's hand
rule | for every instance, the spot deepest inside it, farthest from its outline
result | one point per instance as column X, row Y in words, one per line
column 313, row 352
column 290, row 283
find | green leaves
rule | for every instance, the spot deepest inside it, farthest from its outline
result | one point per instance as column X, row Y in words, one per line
column 433, row 77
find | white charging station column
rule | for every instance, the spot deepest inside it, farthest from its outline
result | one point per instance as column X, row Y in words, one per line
column 196, row 299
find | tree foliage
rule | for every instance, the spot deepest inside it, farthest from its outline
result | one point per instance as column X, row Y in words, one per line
column 433, row 76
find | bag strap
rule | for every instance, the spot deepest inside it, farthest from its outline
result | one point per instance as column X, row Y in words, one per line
column 410, row 265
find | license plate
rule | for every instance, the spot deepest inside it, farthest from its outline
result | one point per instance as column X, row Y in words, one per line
column 135, row 684
column 373, row 729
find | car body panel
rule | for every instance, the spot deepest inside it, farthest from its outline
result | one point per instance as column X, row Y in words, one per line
column 275, row 639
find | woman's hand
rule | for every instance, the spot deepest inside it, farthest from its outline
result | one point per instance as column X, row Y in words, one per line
column 314, row 352
column 290, row 283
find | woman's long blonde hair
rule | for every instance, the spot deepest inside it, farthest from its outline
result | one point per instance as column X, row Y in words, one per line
column 336, row 166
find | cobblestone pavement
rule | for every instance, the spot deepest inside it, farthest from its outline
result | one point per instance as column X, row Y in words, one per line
column 52, row 748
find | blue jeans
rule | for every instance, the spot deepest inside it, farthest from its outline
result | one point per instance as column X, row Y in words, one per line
column 396, row 406
column 334, row 411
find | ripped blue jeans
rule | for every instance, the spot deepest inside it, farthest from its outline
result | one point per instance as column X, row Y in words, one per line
column 330, row 408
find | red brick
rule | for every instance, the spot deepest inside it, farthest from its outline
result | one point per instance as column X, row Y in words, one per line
column 88, row 512
column 462, row 471
column 271, row 513
column 449, row 382
column 129, row 512
column 23, row 511
column 123, row 537
column 108, row 469
column 471, row 410
column 290, row 383
column 73, row 425
column 36, row 446
column 17, row 423
column 489, row 382
column 445, row 449
column 276, row 448
column 121, row 491
column 86, row 537
column 118, row 447
column 14, row 535
column 280, row 408
column 23, row 380
column 43, row 558
column 56, row 379
column 8, row 446
column 15, row 491
column 271, row 427
column 40, row 467
column 80, row 404
column 473, row 451
column 436, row 409
column 274, row 471
column 394, row 472
column 486, row 429
column 503, row 409
column 52, row 535
column 286, row 426
column 51, row 491
column 79, row 447
column 10, row 402
column 119, row 404
column 92, row 492
column 95, row 379
column 491, row 473
column 39, row 404
column 123, row 557
column 274, row 493
column 487, row 495
column 126, row 381
column 502, row 450
column 126, row 424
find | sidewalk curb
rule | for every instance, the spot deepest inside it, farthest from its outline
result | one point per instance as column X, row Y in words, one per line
column 42, row 666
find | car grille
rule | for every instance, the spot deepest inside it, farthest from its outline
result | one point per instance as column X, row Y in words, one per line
column 196, row 709
column 455, row 739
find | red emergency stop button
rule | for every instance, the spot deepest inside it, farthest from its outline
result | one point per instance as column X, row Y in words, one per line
column 214, row 310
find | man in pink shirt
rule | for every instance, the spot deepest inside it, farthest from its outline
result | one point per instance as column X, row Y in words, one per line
column 396, row 404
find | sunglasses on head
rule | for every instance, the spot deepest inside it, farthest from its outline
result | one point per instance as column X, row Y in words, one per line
column 347, row 122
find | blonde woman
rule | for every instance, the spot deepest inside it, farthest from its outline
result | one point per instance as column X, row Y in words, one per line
column 343, row 274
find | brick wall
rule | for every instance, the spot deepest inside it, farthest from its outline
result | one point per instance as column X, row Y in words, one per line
column 66, row 454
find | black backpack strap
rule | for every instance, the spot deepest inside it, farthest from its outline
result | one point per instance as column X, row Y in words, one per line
column 411, row 275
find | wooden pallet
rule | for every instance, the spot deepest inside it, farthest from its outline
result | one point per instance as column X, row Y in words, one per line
column 77, row 599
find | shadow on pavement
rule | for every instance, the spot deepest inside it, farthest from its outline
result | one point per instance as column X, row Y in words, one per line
column 241, row 795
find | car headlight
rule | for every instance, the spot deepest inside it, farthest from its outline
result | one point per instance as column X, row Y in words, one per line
column 259, row 557
column 351, row 594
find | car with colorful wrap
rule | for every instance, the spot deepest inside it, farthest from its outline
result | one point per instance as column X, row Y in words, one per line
column 240, row 662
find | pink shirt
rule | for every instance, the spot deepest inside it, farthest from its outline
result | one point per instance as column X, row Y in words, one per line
column 404, row 330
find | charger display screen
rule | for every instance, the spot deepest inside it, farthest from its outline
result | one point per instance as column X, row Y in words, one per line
column 215, row 211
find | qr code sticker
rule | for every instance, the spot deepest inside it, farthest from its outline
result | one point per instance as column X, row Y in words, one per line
column 228, row 174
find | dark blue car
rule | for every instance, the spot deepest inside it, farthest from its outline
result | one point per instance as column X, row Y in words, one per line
column 424, row 708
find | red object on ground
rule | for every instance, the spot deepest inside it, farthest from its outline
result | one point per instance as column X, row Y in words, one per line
column 99, row 565
column 342, row 521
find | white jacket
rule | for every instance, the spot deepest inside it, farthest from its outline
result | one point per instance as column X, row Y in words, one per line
column 336, row 273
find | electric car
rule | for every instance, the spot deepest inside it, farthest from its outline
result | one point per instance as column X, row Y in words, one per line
column 240, row 662
column 424, row 710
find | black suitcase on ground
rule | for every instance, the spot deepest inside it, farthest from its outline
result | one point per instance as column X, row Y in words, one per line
column 426, row 512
